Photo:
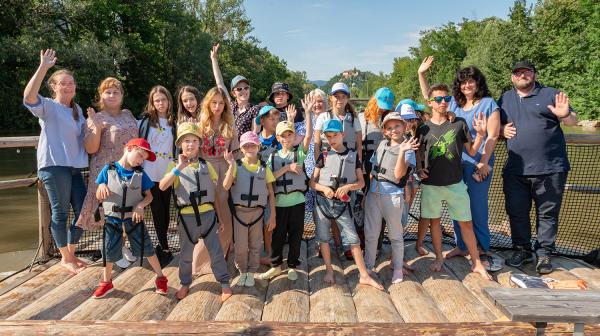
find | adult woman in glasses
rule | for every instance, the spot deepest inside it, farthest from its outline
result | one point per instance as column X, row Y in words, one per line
column 244, row 112
column 471, row 96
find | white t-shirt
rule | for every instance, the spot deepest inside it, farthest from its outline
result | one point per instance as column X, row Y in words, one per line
column 161, row 142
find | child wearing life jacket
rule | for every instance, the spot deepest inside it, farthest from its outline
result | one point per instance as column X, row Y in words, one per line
column 291, row 185
column 124, row 190
column 250, row 192
column 195, row 181
column 385, row 199
column 337, row 175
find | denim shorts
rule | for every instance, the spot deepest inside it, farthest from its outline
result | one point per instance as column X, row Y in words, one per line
column 326, row 209
column 114, row 239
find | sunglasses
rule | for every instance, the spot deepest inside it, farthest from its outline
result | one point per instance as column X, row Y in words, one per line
column 439, row 99
column 522, row 73
column 243, row 88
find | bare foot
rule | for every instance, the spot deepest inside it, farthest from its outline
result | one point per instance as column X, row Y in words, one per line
column 265, row 261
column 81, row 263
column 421, row 250
column 479, row 268
column 329, row 278
column 71, row 267
column 436, row 266
column 367, row 280
column 455, row 252
column 226, row 293
column 182, row 292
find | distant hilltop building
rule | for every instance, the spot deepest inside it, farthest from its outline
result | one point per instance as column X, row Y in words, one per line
column 350, row 73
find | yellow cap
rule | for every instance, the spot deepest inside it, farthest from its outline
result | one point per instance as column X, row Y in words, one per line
column 187, row 128
column 283, row 126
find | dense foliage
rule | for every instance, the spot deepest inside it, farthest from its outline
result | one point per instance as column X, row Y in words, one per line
column 143, row 43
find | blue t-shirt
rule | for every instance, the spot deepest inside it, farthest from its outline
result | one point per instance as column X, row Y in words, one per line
column 486, row 105
column 539, row 147
column 387, row 188
column 124, row 174
column 61, row 137
column 268, row 142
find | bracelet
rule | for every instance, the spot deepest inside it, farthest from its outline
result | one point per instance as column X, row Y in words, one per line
column 175, row 171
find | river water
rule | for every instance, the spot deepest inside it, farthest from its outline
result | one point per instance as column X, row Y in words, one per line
column 18, row 209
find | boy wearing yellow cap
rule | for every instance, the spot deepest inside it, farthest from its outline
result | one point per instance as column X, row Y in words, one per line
column 291, row 186
column 195, row 181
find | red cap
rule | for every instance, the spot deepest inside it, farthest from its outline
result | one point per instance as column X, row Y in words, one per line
column 143, row 144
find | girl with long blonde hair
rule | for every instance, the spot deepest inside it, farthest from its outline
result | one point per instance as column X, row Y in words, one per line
column 217, row 134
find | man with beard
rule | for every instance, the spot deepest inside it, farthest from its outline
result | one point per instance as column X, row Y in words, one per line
column 537, row 164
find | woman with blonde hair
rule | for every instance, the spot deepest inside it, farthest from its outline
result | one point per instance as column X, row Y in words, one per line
column 218, row 134
column 60, row 152
column 106, row 134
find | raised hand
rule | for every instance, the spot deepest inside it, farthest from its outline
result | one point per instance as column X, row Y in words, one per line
column 425, row 65
column 94, row 120
column 228, row 156
column 480, row 124
column 308, row 103
column 182, row 161
column 561, row 105
column 47, row 58
column 509, row 131
column 291, row 111
column 409, row 144
column 214, row 52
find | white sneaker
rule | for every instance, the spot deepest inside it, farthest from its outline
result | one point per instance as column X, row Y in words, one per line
column 249, row 280
column 242, row 280
column 292, row 274
column 123, row 263
column 271, row 273
column 128, row 255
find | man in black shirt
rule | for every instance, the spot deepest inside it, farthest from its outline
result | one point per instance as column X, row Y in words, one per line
column 442, row 142
column 537, row 164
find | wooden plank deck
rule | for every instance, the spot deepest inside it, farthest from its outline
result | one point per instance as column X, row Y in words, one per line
column 453, row 295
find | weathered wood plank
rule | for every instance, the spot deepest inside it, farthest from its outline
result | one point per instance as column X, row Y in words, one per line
column 527, row 305
column 461, row 268
column 590, row 275
column 65, row 297
column 125, row 287
column 328, row 303
column 22, row 141
column 18, row 183
column 32, row 290
column 149, row 305
column 267, row 328
column 411, row 300
column 202, row 303
column 16, row 279
column 372, row 305
column 450, row 295
column 246, row 303
column 288, row 301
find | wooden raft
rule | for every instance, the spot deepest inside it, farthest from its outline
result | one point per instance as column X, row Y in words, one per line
column 453, row 295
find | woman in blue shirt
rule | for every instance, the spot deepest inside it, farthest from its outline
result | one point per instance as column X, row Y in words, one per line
column 471, row 96
column 60, row 153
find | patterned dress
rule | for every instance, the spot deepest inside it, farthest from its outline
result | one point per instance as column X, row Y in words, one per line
column 117, row 131
column 244, row 121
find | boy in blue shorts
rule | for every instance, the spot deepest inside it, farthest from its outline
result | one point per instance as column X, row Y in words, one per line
column 124, row 190
column 442, row 142
column 337, row 175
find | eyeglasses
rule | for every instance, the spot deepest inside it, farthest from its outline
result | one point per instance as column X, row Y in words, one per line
column 522, row 73
column 243, row 88
column 439, row 99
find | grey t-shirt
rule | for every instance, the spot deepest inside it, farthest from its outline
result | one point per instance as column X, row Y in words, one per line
column 61, row 137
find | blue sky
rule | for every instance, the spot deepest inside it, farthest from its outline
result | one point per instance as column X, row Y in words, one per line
column 325, row 37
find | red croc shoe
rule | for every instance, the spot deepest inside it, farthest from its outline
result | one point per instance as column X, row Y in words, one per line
column 104, row 288
column 161, row 285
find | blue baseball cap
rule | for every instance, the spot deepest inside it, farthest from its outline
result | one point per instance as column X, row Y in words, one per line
column 412, row 103
column 385, row 98
column 237, row 79
column 332, row 125
column 263, row 111
column 339, row 86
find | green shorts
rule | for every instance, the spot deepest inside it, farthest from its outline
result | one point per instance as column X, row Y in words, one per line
column 456, row 197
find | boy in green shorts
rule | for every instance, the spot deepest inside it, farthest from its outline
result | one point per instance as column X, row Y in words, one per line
column 442, row 142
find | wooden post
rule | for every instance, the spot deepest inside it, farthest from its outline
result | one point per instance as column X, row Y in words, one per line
column 44, row 218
